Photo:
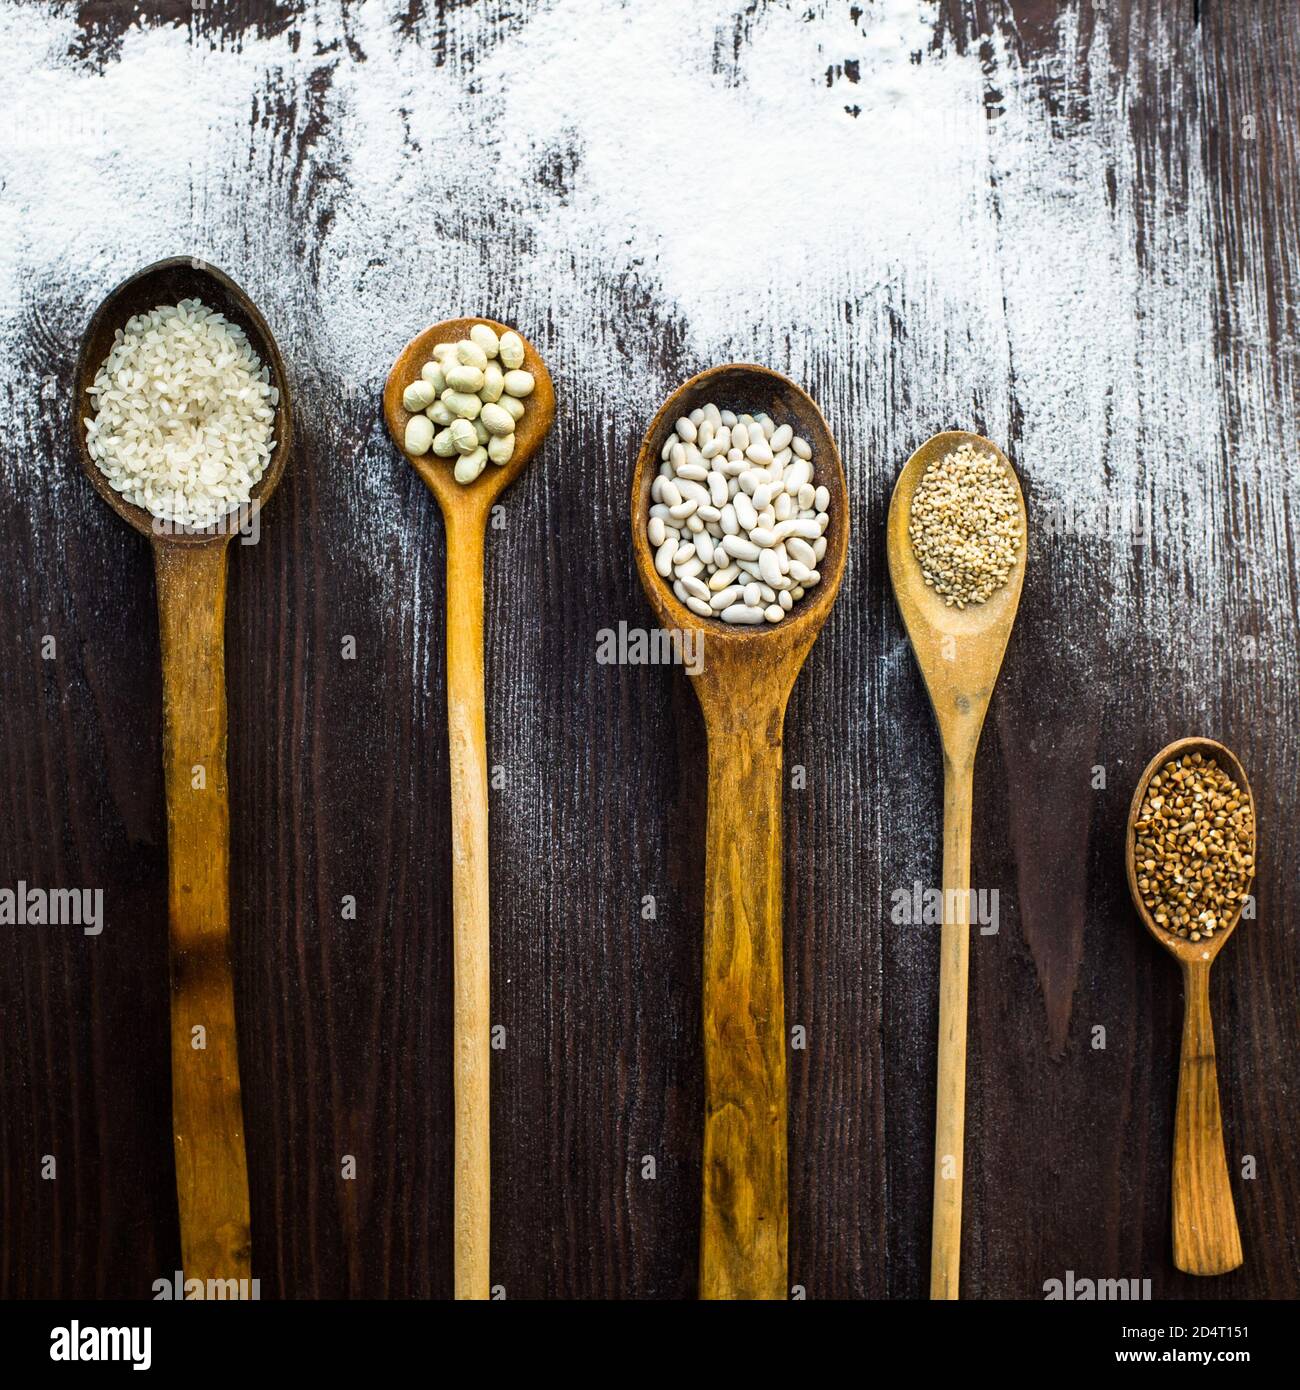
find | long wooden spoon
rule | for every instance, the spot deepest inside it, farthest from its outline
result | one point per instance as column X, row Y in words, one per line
column 465, row 513
column 743, row 688
column 959, row 651
column 190, row 569
column 1206, row 1238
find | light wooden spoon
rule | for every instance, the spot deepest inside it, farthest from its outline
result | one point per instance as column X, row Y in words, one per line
column 959, row 651
column 743, row 688
column 1206, row 1238
column 465, row 513
column 190, row 569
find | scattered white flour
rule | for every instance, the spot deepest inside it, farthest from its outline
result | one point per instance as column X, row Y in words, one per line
column 812, row 184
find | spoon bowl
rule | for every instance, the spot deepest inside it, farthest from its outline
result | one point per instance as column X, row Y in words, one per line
column 959, row 650
column 743, row 682
column 744, row 387
column 168, row 282
column 1183, row 949
column 538, row 417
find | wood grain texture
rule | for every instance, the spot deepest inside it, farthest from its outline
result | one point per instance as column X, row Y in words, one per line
column 1206, row 1238
column 207, row 1117
column 744, row 1213
column 339, row 775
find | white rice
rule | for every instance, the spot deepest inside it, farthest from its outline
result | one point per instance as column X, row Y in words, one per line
column 184, row 412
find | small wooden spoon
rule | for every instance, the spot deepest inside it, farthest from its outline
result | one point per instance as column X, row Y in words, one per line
column 190, row 570
column 465, row 512
column 743, row 688
column 959, row 651
column 1206, row 1238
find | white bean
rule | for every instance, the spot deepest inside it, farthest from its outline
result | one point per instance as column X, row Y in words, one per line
column 419, row 435
column 496, row 420
column 741, row 613
column 462, row 403
column 486, row 339
column 519, row 383
column 740, row 548
column 797, row 475
column 464, row 436
column 463, row 378
column 494, row 383
column 723, row 578
column 698, row 605
column 469, row 466
column 444, row 445
column 759, row 453
column 664, row 556
column 469, row 354
column 511, row 347
column 418, row 395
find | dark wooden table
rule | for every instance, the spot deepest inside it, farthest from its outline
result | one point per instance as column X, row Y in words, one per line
column 338, row 767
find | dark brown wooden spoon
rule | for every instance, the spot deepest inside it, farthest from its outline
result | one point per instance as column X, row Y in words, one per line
column 743, row 689
column 190, row 567
column 1206, row 1236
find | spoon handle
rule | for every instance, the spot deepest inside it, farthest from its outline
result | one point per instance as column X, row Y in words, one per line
column 744, row 1214
column 954, row 973
column 1206, row 1239
column 207, row 1116
column 471, row 1020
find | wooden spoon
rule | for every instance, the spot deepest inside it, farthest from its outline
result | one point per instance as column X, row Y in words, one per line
column 190, row 569
column 1206, row 1239
column 959, row 651
column 743, row 688
column 465, row 512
